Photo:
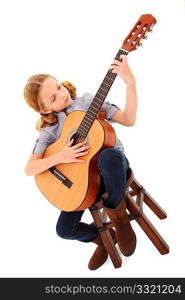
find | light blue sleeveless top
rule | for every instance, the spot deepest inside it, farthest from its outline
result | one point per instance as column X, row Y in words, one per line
column 50, row 134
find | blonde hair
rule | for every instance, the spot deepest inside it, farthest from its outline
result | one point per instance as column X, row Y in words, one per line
column 31, row 95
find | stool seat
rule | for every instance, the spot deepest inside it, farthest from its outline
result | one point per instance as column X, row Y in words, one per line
column 135, row 211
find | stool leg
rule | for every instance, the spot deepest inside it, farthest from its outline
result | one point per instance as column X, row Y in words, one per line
column 111, row 249
column 152, row 204
column 147, row 226
column 106, row 237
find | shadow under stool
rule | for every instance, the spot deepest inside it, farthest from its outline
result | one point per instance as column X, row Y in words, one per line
column 135, row 211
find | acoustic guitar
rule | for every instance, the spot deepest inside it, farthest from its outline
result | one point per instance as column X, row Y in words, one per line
column 74, row 186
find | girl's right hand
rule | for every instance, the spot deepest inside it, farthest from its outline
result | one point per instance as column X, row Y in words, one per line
column 69, row 153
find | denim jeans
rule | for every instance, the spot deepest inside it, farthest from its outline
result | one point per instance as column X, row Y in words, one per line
column 113, row 165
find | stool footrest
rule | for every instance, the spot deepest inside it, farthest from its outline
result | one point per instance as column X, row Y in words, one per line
column 102, row 228
column 139, row 201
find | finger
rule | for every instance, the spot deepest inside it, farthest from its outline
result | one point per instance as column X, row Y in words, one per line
column 70, row 142
column 114, row 70
column 111, row 68
column 81, row 153
column 81, row 149
column 78, row 145
column 115, row 63
column 114, row 67
column 123, row 57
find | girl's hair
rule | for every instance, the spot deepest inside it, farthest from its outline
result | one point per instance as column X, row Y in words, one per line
column 31, row 95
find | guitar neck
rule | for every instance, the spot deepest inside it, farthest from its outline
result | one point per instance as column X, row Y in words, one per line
column 98, row 100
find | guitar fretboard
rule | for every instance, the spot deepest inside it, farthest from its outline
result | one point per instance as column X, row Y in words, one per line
column 98, row 100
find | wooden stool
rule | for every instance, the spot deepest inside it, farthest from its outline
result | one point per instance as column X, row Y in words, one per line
column 135, row 211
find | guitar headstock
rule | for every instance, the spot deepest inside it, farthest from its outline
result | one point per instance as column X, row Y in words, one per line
column 139, row 32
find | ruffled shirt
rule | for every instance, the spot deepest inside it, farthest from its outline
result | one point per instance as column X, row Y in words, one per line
column 50, row 134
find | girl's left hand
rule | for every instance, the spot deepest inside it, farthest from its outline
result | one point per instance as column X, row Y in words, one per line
column 122, row 69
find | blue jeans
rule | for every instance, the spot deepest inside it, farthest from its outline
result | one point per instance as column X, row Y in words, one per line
column 113, row 165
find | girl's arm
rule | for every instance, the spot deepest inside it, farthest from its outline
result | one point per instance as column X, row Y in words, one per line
column 127, row 116
column 36, row 164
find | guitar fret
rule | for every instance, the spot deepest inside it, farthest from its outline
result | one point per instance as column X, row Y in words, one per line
column 80, row 132
column 102, row 89
column 87, row 117
column 96, row 105
column 83, row 135
column 91, row 110
column 91, row 119
column 86, row 122
column 105, row 83
column 83, row 131
column 109, row 78
column 98, row 100
column 112, row 75
column 101, row 94
column 109, row 83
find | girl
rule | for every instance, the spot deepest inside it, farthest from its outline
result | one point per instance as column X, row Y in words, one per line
column 54, row 101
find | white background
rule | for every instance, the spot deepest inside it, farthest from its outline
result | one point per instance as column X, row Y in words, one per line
column 77, row 41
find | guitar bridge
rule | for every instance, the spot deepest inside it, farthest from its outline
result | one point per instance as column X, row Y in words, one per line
column 68, row 183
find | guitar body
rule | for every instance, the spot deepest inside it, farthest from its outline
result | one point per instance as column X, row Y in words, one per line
column 80, row 181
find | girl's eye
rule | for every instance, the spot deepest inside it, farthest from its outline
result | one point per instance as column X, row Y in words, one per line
column 53, row 99
column 59, row 87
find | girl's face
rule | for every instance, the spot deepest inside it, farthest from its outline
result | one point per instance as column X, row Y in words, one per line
column 55, row 96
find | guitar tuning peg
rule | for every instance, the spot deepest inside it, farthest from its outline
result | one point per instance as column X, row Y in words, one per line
column 139, row 45
column 150, row 29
